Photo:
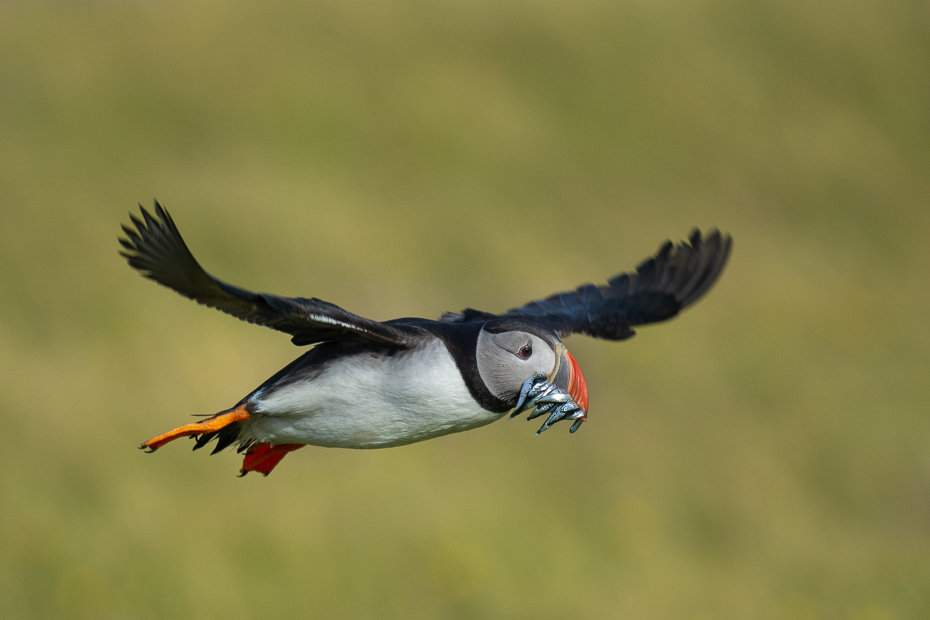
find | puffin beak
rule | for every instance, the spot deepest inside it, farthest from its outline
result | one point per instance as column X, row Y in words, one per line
column 568, row 377
column 562, row 394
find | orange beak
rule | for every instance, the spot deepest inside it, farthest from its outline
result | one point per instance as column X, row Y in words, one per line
column 570, row 379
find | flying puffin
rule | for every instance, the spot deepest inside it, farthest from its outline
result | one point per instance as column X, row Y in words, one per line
column 371, row 384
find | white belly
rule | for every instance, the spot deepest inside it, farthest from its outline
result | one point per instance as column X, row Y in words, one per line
column 367, row 401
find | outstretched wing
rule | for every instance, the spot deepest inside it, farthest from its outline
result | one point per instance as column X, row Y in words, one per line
column 155, row 248
column 662, row 286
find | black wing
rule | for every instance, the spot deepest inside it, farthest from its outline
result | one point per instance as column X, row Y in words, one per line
column 676, row 277
column 155, row 248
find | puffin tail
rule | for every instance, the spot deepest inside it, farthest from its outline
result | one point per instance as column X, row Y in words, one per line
column 226, row 427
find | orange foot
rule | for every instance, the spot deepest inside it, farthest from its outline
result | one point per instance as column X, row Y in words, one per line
column 207, row 426
column 262, row 457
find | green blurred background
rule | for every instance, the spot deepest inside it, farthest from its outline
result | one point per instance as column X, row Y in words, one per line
column 765, row 455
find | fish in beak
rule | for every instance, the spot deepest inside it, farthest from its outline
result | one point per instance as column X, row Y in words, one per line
column 563, row 394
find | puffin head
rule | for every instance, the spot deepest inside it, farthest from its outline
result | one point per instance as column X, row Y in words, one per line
column 512, row 350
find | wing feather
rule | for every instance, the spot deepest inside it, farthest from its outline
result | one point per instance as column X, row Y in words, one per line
column 661, row 287
column 155, row 249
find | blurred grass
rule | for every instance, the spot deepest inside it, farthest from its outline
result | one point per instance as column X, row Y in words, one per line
column 765, row 455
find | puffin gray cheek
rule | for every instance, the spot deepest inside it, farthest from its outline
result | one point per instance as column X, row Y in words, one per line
column 502, row 370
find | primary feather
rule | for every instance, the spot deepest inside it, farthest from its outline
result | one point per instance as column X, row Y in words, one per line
column 156, row 249
column 661, row 287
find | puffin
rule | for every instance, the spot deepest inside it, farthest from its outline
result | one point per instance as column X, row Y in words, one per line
column 378, row 384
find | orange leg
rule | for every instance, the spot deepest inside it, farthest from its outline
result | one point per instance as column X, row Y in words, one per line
column 262, row 457
column 207, row 426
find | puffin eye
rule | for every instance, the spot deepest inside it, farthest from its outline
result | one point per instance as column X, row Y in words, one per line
column 525, row 351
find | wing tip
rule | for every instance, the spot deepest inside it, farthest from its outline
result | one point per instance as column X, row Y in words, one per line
column 712, row 253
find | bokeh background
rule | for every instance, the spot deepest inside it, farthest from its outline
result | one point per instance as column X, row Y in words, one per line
column 765, row 455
